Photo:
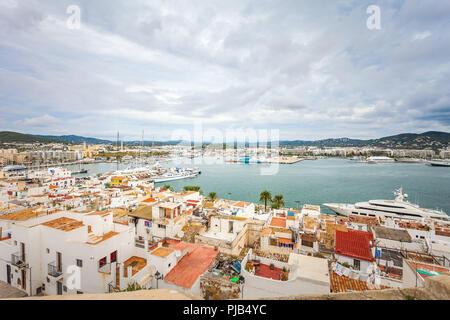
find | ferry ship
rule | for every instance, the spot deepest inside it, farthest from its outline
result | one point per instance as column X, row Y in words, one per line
column 177, row 174
column 398, row 208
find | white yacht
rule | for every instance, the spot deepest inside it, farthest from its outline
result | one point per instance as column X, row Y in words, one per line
column 380, row 159
column 398, row 208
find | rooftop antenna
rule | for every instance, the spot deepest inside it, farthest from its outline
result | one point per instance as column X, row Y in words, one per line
column 117, row 147
column 142, row 147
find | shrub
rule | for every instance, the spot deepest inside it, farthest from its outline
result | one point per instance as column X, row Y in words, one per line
column 272, row 266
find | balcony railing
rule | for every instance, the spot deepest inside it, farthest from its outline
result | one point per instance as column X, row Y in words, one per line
column 18, row 260
column 106, row 268
column 53, row 270
column 139, row 243
column 112, row 287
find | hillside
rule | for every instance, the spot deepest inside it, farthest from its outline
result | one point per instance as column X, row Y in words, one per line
column 430, row 140
column 78, row 139
column 426, row 140
column 8, row 136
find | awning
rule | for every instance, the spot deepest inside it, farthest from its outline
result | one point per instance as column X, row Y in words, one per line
column 285, row 241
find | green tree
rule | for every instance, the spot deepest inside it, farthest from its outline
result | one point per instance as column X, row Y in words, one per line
column 167, row 187
column 278, row 201
column 265, row 197
column 212, row 196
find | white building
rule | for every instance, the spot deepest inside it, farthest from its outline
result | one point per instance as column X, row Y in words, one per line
column 69, row 253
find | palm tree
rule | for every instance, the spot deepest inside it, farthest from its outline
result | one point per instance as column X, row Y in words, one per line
column 212, row 196
column 265, row 197
column 278, row 201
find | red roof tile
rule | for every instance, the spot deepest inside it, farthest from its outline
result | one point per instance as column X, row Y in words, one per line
column 355, row 244
column 278, row 222
column 192, row 266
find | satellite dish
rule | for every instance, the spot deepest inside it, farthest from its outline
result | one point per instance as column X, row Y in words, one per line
column 181, row 234
column 406, row 196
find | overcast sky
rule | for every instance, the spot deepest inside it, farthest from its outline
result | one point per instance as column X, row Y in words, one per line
column 311, row 69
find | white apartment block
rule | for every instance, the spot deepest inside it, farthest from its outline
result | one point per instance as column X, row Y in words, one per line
column 70, row 253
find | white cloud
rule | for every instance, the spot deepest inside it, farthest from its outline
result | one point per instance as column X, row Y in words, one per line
column 422, row 35
column 41, row 121
column 160, row 65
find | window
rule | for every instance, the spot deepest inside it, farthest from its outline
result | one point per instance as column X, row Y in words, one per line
column 79, row 263
column 79, row 292
column 114, row 256
column 48, row 250
column 357, row 264
column 102, row 262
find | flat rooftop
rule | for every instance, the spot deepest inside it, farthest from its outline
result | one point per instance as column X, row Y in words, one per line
column 136, row 263
column 162, row 252
column 64, row 224
column 97, row 239
column 310, row 267
column 220, row 235
column 170, row 205
column 23, row 215
column 392, row 234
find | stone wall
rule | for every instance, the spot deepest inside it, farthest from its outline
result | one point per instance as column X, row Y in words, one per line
column 215, row 288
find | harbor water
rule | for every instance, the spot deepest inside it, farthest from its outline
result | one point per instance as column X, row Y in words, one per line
column 313, row 182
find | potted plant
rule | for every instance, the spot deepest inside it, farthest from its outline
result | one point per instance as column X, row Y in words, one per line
column 272, row 266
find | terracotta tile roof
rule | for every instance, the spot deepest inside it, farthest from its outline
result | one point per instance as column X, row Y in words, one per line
column 344, row 284
column 278, row 222
column 354, row 244
column 241, row 204
column 191, row 267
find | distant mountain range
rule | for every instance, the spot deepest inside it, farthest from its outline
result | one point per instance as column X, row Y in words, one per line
column 72, row 139
column 430, row 139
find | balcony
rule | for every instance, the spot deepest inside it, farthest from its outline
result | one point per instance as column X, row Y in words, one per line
column 139, row 243
column 53, row 270
column 18, row 260
column 105, row 268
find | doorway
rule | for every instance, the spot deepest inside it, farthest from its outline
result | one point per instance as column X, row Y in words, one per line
column 24, row 279
column 8, row 273
column 59, row 288
column 59, row 261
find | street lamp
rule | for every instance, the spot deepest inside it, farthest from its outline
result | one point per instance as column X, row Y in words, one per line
column 242, row 281
column 158, row 276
